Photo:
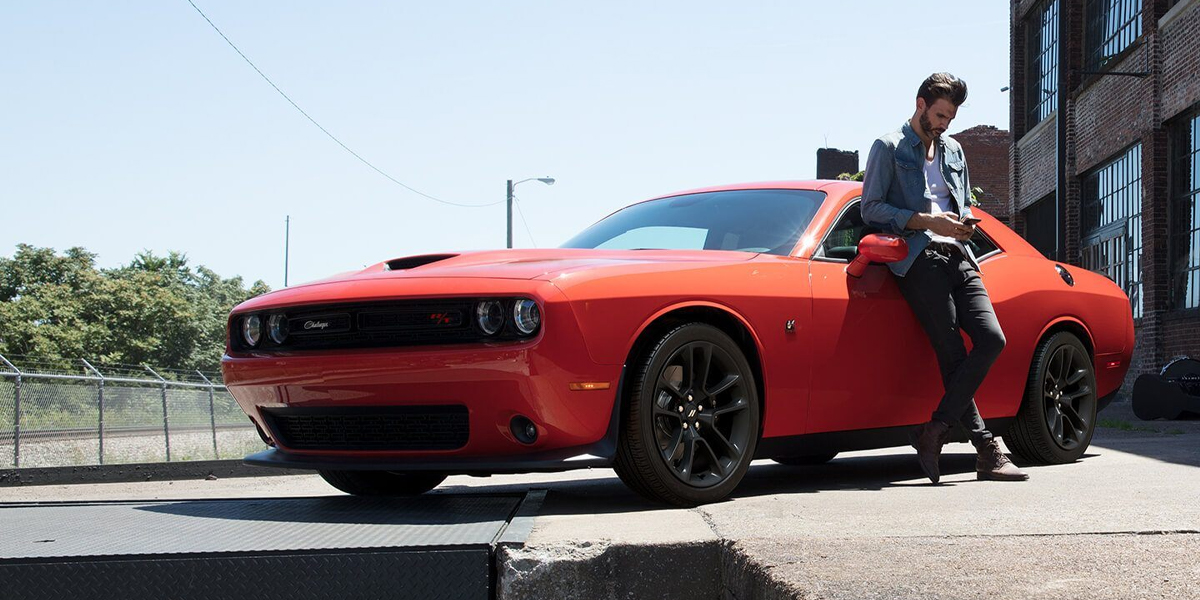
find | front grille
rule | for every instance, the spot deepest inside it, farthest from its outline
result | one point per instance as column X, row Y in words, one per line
column 394, row 323
column 370, row 428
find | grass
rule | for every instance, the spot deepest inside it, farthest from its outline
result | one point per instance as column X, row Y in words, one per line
column 1124, row 425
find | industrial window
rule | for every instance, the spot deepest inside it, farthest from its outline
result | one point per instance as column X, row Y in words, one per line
column 1185, row 213
column 1112, row 223
column 1041, row 73
column 1112, row 26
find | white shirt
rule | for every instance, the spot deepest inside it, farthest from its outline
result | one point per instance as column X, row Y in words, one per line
column 938, row 194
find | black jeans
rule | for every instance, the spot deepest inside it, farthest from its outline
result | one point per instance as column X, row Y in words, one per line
column 946, row 294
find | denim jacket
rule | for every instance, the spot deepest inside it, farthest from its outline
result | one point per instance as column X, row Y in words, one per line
column 894, row 188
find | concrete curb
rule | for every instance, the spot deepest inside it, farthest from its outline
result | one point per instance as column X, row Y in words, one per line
column 586, row 571
column 198, row 469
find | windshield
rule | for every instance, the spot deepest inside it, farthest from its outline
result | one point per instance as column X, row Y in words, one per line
column 767, row 221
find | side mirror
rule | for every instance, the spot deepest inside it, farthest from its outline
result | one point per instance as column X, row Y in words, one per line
column 877, row 248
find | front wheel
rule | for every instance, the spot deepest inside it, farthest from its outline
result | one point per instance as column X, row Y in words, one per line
column 690, row 423
column 1058, row 416
column 382, row 483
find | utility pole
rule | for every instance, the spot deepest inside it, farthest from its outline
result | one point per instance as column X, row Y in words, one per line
column 287, row 232
column 511, row 185
column 510, row 188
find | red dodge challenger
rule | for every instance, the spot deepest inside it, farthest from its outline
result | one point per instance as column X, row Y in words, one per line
column 675, row 340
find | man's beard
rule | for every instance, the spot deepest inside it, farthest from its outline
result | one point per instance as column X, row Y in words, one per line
column 927, row 126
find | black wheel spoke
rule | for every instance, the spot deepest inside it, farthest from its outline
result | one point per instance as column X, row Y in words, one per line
column 1082, row 392
column 668, row 387
column 701, row 367
column 717, row 468
column 736, row 406
column 673, row 445
column 664, row 411
column 689, row 456
column 725, row 384
column 1076, row 376
column 1072, row 415
column 727, row 446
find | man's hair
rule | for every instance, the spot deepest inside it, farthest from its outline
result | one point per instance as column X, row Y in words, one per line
column 943, row 85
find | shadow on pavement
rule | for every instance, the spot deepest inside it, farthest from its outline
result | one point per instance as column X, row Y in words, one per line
column 431, row 509
column 1175, row 441
column 858, row 473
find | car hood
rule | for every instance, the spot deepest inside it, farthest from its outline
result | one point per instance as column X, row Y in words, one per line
column 544, row 264
column 427, row 274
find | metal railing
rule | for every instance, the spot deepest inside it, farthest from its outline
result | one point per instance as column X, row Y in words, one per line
column 77, row 413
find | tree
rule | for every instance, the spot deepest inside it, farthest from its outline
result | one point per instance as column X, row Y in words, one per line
column 155, row 310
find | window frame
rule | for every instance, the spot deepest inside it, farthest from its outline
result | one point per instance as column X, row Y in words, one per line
column 819, row 251
column 1183, row 241
column 1040, row 102
column 1132, row 259
column 1096, row 58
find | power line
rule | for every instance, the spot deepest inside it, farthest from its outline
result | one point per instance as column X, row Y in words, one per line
column 521, row 213
column 323, row 130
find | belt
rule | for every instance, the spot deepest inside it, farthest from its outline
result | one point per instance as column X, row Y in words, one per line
column 944, row 248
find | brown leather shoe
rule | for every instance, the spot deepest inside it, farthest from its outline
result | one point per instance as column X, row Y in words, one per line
column 994, row 465
column 928, row 439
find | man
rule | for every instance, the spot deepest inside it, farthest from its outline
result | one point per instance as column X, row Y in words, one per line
column 916, row 185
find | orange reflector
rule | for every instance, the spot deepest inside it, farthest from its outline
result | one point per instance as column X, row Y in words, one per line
column 588, row 385
column 1112, row 364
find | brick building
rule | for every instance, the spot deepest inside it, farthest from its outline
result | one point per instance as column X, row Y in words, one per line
column 986, row 148
column 1105, row 113
column 832, row 162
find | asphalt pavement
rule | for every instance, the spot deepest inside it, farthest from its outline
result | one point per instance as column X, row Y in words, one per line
column 1122, row 522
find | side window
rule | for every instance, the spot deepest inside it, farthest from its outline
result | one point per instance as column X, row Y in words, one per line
column 980, row 244
column 842, row 241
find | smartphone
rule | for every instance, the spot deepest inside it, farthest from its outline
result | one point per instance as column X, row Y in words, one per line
column 971, row 221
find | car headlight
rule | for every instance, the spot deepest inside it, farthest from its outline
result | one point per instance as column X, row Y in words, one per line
column 252, row 330
column 526, row 316
column 489, row 315
column 277, row 328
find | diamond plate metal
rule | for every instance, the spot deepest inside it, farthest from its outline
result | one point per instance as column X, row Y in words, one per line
column 458, row 574
column 435, row 546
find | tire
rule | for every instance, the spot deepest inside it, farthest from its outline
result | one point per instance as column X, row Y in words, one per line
column 382, row 483
column 806, row 460
column 1058, row 415
column 690, row 423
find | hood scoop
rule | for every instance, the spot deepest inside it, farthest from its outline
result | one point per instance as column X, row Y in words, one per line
column 412, row 262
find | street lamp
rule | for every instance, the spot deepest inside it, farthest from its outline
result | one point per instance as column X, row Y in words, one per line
column 511, row 185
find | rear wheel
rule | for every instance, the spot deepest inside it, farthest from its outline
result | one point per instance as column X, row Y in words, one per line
column 1058, row 416
column 690, row 423
column 382, row 483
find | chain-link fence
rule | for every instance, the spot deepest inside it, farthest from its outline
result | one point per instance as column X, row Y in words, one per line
column 73, row 413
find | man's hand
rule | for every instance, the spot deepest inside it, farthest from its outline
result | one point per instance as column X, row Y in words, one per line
column 942, row 224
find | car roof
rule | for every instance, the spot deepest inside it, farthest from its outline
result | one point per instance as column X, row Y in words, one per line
column 831, row 186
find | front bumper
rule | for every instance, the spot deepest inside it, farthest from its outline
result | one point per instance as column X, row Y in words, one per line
column 494, row 382
column 599, row 455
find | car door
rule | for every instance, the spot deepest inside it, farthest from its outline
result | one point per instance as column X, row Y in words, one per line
column 873, row 365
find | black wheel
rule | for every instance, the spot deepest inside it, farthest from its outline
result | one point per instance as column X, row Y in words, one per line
column 382, row 483
column 805, row 460
column 1058, row 416
column 690, row 423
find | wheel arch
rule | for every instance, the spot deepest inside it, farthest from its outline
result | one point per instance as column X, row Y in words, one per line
column 722, row 317
column 1070, row 325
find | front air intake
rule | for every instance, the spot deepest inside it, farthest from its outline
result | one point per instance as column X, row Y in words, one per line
column 443, row 427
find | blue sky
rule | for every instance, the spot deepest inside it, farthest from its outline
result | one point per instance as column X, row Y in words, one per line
column 132, row 125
